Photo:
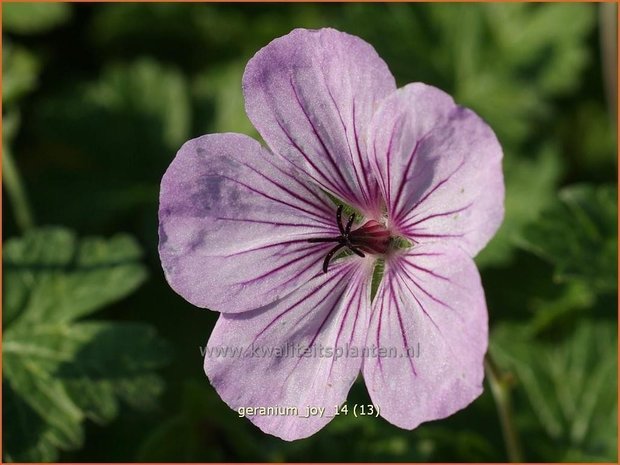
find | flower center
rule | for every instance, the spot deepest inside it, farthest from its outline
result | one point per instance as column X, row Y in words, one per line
column 372, row 237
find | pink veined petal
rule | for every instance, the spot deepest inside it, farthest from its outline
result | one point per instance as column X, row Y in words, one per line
column 234, row 223
column 439, row 168
column 311, row 95
column 329, row 312
column 430, row 313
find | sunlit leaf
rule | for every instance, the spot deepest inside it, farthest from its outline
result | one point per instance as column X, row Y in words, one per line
column 33, row 18
column 54, row 277
column 20, row 72
column 578, row 234
column 570, row 386
column 59, row 371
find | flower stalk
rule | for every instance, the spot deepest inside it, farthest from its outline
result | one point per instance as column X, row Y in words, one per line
column 501, row 385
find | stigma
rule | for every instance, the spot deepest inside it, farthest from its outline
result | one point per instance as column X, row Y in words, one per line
column 370, row 238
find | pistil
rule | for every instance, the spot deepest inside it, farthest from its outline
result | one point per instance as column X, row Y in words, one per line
column 372, row 237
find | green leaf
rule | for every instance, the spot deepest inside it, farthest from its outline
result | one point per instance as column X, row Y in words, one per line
column 220, row 89
column 20, row 72
column 569, row 385
column 528, row 58
column 530, row 188
column 578, row 234
column 572, row 300
column 141, row 104
column 59, row 371
column 39, row 416
column 121, row 129
column 538, row 37
column 148, row 88
column 55, row 277
column 33, row 18
column 507, row 61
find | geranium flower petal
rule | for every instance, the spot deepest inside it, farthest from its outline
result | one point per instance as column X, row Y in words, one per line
column 430, row 317
column 234, row 223
column 439, row 168
column 329, row 312
column 311, row 95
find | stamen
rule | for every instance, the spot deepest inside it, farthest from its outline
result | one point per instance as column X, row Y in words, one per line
column 347, row 230
column 356, row 251
column 372, row 237
column 329, row 256
column 325, row 239
column 339, row 219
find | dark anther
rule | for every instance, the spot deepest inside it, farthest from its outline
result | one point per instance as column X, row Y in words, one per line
column 344, row 240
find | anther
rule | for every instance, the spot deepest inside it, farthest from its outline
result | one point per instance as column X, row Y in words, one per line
column 372, row 237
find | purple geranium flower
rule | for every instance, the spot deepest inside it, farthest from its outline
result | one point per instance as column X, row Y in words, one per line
column 257, row 235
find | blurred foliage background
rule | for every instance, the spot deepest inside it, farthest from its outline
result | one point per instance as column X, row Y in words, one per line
column 101, row 359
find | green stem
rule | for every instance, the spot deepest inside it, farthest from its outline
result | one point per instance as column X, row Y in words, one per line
column 500, row 388
column 15, row 189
